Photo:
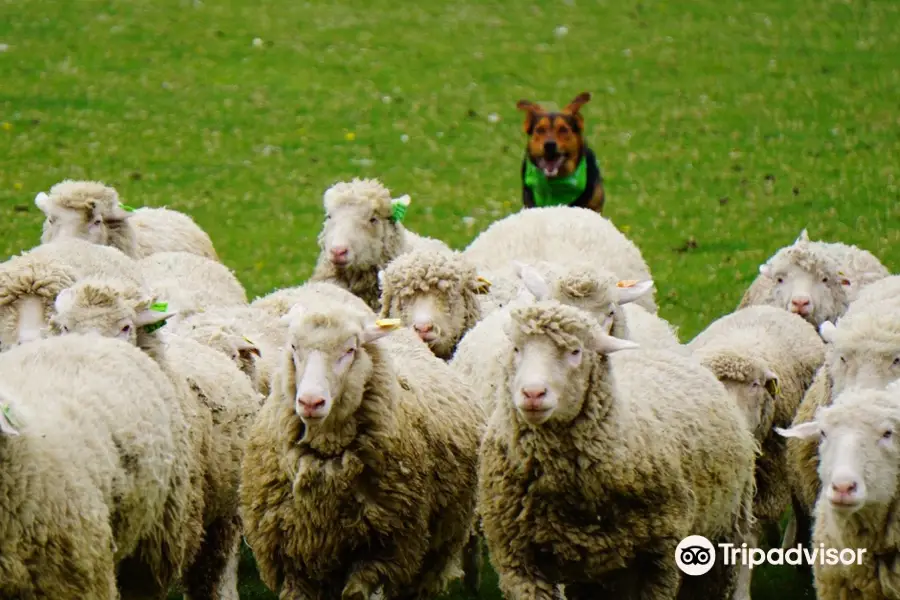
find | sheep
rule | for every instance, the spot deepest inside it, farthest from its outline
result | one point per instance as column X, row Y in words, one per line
column 30, row 282
column 559, row 234
column 816, row 280
column 766, row 357
column 478, row 357
column 93, row 452
column 191, row 283
column 91, row 210
column 222, row 397
column 856, row 508
column 361, row 234
column 596, row 463
column 360, row 470
column 863, row 350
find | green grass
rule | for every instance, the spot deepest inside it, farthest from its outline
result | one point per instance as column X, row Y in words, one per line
column 723, row 128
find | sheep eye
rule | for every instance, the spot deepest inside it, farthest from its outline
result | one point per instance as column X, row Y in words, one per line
column 896, row 362
column 780, row 279
column 327, row 217
column 64, row 329
column 97, row 222
column 126, row 329
column 575, row 352
column 516, row 349
column 755, row 384
column 373, row 220
column 824, row 280
column 293, row 348
column 51, row 220
column 349, row 351
column 844, row 359
column 887, row 435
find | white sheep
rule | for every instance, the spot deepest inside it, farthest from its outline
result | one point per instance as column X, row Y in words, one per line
column 362, row 233
column 816, row 280
column 596, row 463
column 30, row 282
column 858, row 456
column 766, row 357
column 96, row 476
column 360, row 470
column 221, row 398
column 191, row 283
column 479, row 355
column 91, row 210
column 559, row 234
column 862, row 351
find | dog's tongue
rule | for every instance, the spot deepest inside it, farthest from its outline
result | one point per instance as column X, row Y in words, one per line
column 549, row 168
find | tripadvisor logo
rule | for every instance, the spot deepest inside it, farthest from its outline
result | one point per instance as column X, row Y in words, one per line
column 696, row 555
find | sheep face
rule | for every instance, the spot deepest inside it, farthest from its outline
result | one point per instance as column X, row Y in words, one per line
column 806, row 284
column 80, row 209
column 101, row 308
column 61, row 223
column 327, row 362
column 858, row 452
column 225, row 339
column 554, row 349
column 863, row 352
column 756, row 399
column 356, row 235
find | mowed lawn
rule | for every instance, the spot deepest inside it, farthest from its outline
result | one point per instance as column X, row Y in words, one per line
column 723, row 128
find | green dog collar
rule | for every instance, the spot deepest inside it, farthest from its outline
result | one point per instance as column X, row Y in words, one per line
column 556, row 191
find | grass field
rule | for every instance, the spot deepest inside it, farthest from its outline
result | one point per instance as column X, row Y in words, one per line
column 723, row 128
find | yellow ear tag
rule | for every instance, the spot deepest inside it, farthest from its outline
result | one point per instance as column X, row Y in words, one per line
column 483, row 280
column 388, row 323
column 626, row 283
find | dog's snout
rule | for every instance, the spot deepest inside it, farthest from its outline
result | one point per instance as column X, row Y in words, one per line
column 550, row 148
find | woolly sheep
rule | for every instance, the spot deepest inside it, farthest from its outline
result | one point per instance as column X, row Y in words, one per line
column 595, row 465
column 862, row 351
column 95, row 473
column 91, row 210
column 221, row 396
column 478, row 357
column 559, row 234
column 30, row 282
column 348, row 413
column 191, row 283
column 766, row 357
column 361, row 234
column 816, row 280
column 859, row 454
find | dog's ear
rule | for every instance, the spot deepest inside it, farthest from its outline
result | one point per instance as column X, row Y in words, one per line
column 575, row 105
column 532, row 111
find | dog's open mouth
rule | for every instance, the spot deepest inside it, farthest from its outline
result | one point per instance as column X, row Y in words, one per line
column 551, row 167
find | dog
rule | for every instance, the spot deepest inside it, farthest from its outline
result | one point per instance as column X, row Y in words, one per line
column 559, row 168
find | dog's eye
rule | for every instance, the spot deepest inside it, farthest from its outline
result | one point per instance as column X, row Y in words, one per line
column 563, row 130
column 541, row 130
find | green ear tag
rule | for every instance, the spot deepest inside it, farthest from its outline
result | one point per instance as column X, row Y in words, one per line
column 156, row 307
column 7, row 412
column 126, row 208
column 399, row 206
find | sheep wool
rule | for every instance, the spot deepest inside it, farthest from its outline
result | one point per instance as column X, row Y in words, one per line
column 361, row 235
column 535, row 235
column 360, row 476
column 594, row 481
column 90, row 440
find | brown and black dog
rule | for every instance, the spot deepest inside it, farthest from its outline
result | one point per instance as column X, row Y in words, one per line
column 559, row 168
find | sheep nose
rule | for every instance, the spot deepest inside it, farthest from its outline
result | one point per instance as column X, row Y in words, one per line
column 800, row 304
column 339, row 253
column 423, row 327
column 550, row 148
column 844, row 488
column 533, row 396
column 310, row 404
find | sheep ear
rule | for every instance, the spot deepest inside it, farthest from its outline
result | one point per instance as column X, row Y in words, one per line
column 765, row 270
column 381, row 278
column 845, row 281
column 772, row 384
column 156, row 313
column 803, row 431
column 246, row 347
column 803, row 237
column 42, row 201
column 482, row 285
column 379, row 329
column 8, row 425
column 607, row 344
column 631, row 290
column 296, row 312
column 826, row 331
column 533, row 280
column 65, row 300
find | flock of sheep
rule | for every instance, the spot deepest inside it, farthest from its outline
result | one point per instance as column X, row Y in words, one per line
column 367, row 430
